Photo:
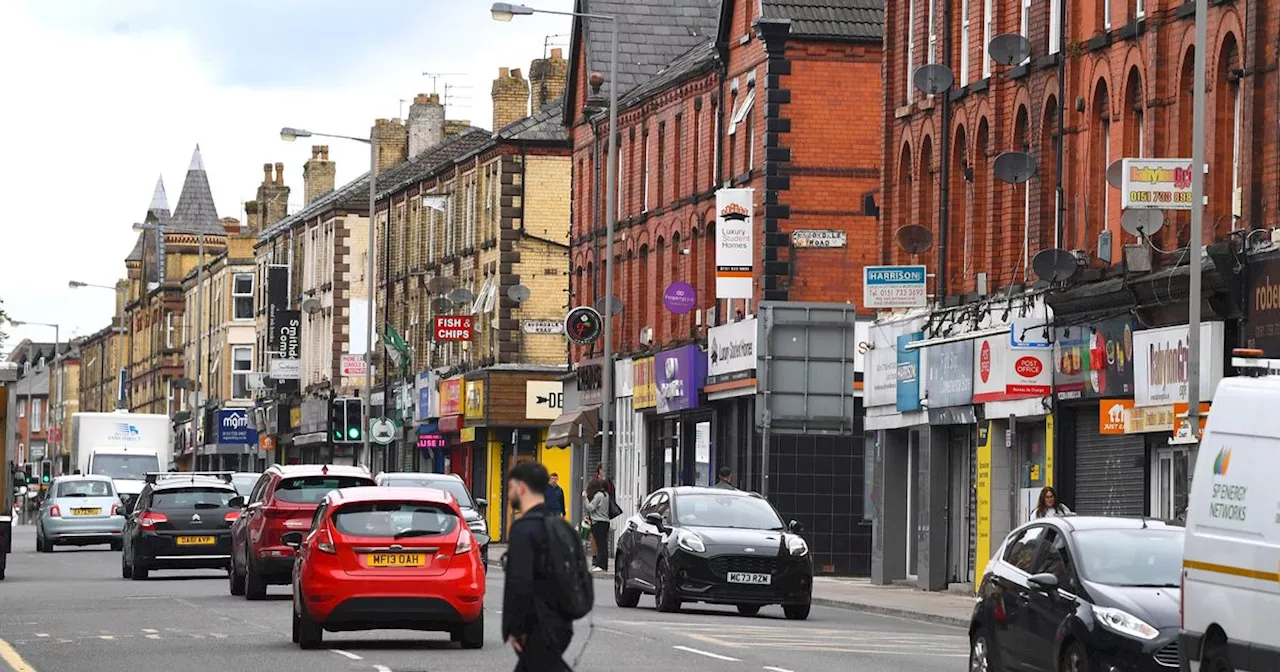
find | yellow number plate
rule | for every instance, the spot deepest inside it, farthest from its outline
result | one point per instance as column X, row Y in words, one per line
column 395, row 559
column 195, row 541
column 86, row 512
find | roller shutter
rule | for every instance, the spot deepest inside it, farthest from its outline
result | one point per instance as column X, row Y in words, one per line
column 1111, row 469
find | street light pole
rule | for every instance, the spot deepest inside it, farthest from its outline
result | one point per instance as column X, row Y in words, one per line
column 200, row 330
column 1197, row 221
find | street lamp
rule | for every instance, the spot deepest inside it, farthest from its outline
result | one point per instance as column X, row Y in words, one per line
column 503, row 11
column 119, row 290
column 289, row 135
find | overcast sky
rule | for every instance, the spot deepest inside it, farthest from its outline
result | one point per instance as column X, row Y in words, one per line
column 104, row 96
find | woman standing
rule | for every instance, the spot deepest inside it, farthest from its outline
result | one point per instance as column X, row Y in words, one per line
column 1049, row 506
column 596, row 504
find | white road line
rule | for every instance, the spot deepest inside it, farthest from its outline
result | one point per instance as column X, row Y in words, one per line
column 776, row 669
column 106, row 637
column 382, row 668
column 707, row 654
column 42, row 634
column 150, row 630
column 153, row 636
column 346, row 654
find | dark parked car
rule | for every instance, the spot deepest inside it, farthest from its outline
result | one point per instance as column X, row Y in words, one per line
column 180, row 521
column 693, row 544
column 1081, row 593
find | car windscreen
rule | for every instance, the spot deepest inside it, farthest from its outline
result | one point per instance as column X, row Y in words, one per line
column 312, row 489
column 456, row 488
column 133, row 467
column 244, row 484
column 84, row 489
column 193, row 497
column 395, row 519
column 1147, row 557
column 726, row 511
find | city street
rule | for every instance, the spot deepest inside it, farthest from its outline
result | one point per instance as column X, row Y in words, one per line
column 72, row 611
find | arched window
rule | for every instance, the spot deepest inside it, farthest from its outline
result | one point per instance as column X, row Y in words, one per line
column 959, row 243
column 1021, row 202
column 924, row 196
column 981, row 245
column 660, row 280
column 642, row 287
column 1098, row 206
column 1227, row 135
column 903, row 202
column 1047, row 179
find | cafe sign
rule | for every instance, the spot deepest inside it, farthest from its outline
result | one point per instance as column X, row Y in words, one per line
column 1162, row 356
column 1091, row 361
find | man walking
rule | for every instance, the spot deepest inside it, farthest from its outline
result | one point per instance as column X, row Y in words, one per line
column 726, row 479
column 555, row 496
column 531, row 621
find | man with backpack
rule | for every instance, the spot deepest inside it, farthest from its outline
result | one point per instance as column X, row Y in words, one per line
column 548, row 584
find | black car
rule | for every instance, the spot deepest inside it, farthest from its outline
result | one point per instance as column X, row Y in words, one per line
column 1081, row 593
column 712, row 545
column 181, row 521
column 472, row 508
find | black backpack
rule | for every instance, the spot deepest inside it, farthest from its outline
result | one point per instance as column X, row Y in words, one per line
column 566, row 565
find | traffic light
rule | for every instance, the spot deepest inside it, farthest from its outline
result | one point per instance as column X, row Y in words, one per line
column 355, row 420
column 346, row 420
column 337, row 420
column 46, row 472
column 27, row 474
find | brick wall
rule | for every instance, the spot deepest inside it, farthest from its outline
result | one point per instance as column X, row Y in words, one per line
column 543, row 266
column 510, row 92
column 547, row 78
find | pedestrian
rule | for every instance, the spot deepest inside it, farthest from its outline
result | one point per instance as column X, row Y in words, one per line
column 531, row 622
column 555, row 496
column 1049, row 506
column 596, row 505
column 726, row 479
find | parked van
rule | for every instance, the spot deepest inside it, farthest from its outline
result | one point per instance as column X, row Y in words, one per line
column 1231, row 554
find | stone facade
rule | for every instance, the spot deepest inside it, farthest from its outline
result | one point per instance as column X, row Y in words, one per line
column 99, row 370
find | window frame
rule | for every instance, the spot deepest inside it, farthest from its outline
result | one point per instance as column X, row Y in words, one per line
column 237, row 295
column 237, row 373
column 1015, row 541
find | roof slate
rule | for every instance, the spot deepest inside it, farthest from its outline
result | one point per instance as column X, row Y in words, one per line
column 196, row 212
column 542, row 126
column 432, row 161
column 693, row 62
column 861, row 20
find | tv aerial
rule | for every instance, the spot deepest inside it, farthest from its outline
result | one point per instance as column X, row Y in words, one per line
column 1014, row 167
column 1009, row 49
column 435, row 77
column 1115, row 173
column 1142, row 222
column 933, row 78
column 914, row 239
column 1054, row 265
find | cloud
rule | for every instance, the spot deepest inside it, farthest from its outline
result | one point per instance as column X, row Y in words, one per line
column 112, row 96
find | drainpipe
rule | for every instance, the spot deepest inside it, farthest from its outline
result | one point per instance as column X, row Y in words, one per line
column 944, row 174
column 1060, row 208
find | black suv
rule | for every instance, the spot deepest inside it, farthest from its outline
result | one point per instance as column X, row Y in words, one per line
column 180, row 521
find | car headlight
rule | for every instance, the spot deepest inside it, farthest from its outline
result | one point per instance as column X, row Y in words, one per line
column 1125, row 623
column 690, row 542
column 478, row 526
column 797, row 545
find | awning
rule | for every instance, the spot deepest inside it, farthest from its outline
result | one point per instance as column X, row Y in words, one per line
column 573, row 428
column 451, row 424
column 429, row 428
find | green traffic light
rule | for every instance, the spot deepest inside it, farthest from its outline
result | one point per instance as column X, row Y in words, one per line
column 46, row 479
column 337, row 436
column 353, row 433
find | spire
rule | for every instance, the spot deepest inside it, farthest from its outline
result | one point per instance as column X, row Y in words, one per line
column 195, row 211
column 159, row 200
column 196, row 162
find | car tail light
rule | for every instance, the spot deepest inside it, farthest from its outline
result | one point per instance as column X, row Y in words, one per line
column 464, row 542
column 149, row 519
column 55, row 511
column 232, row 516
column 115, row 509
column 324, row 541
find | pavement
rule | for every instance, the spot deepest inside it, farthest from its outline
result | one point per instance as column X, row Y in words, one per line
column 70, row 610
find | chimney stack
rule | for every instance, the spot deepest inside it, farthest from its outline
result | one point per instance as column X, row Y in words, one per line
column 231, row 225
column 426, row 123
column 548, row 78
column 279, row 174
column 318, row 174
column 510, row 94
column 391, row 140
column 273, row 199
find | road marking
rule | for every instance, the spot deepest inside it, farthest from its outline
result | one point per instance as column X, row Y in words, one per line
column 776, row 669
column 11, row 657
column 153, row 636
column 106, row 637
column 346, row 654
column 382, row 668
column 150, row 630
column 707, row 654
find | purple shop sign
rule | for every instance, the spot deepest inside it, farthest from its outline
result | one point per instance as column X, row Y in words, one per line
column 678, row 375
column 680, row 297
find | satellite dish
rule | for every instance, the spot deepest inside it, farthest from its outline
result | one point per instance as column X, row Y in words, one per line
column 1009, row 49
column 1014, row 167
column 461, row 295
column 914, row 239
column 933, row 78
column 311, row 305
column 518, row 293
column 1054, row 265
column 617, row 305
column 441, row 306
column 440, row 285
column 1142, row 222
column 1115, row 173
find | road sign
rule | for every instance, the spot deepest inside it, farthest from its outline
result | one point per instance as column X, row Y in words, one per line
column 543, row 327
column 453, row 328
column 583, row 325
column 353, row 365
column 382, row 431
column 894, row 287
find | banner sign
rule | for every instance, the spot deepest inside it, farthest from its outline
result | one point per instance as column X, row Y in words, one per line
column 735, row 246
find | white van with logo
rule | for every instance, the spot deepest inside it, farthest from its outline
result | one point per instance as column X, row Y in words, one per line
column 1231, row 553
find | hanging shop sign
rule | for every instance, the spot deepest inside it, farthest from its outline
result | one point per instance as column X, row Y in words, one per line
column 475, row 401
column 451, row 397
column 583, row 325
column 1156, row 184
column 1161, row 357
column 644, row 392
column 234, row 426
column 1001, row 373
column 1262, row 330
column 680, row 297
column 880, row 380
column 680, row 374
column 735, row 249
column 908, row 371
column 1094, row 360
column 277, row 303
column 591, row 382
column 894, row 287
column 819, row 238
column 949, row 371
column 426, row 402
column 453, row 327
column 731, row 353
column 543, row 399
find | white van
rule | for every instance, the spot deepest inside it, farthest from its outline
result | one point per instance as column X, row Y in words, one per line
column 1231, row 555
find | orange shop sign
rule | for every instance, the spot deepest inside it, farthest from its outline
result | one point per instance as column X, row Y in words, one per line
column 1112, row 414
column 451, row 397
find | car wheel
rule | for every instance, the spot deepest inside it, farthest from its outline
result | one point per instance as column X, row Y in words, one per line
column 236, row 582
column 1075, row 659
column 139, row 569
column 1216, row 659
column 297, row 626
column 796, row 612
column 664, row 598
column 117, row 545
column 980, row 653
column 622, row 595
column 310, row 634
column 748, row 609
column 125, row 570
column 40, row 543
column 472, row 634
column 255, row 588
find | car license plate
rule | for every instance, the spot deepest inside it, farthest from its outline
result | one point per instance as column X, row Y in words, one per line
column 395, row 559
column 86, row 512
column 750, row 579
column 195, row 541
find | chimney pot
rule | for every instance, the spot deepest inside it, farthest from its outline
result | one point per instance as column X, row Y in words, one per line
column 315, row 151
column 324, row 152
column 433, row 99
column 279, row 173
column 266, row 173
column 557, row 54
column 504, row 73
column 420, row 99
column 515, row 74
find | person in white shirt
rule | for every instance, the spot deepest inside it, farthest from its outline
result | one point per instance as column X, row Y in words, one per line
column 1049, row 506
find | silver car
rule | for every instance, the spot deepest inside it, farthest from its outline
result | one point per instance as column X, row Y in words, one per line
column 80, row 511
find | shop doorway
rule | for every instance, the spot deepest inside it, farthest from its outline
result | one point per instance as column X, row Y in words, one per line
column 1170, row 482
column 914, row 438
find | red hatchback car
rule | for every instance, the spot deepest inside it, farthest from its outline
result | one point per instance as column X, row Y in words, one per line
column 284, row 499
column 388, row 558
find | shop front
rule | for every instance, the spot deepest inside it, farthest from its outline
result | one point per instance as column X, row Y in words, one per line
column 680, row 431
column 731, row 394
column 946, row 486
column 450, row 425
column 311, row 443
column 430, row 447
column 630, row 475
column 235, row 445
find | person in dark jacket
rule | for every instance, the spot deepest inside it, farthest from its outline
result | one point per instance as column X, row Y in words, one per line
column 531, row 623
column 726, row 479
column 555, row 496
